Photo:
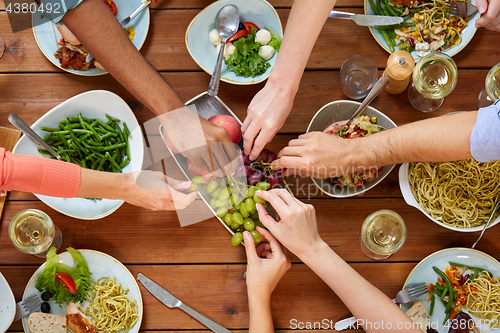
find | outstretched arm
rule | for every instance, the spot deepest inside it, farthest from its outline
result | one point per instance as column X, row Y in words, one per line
column 270, row 107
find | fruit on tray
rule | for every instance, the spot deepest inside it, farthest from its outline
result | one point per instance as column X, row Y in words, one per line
column 231, row 125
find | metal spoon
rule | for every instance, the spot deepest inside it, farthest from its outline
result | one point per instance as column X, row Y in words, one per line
column 376, row 90
column 487, row 223
column 23, row 127
column 227, row 24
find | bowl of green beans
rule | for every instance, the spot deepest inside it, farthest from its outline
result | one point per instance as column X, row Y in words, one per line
column 95, row 130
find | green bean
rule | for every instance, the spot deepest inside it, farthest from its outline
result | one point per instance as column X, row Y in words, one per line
column 73, row 126
column 388, row 40
column 126, row 130
column 374, row 8
column 77, row 141
column 448, row 313
column 449, row 287
column 94, row 165
column 101, row 163
column 49, row 129
column 105, row 126
column 124, row 162
column 109, row 134
column 390, row 9
column 90, row 128
column 113, row 162
column 44, row 152
column 91, row 157
column 92, row 142
column 73, row 119
column 443, row 293
column 57, row 143
column 99, row 149
column 379, row 8
column 116, row 120
column 472, row 268
column 439, row 287
column 433, row 300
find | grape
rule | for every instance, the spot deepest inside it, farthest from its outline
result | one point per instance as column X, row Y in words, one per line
column 250, row 205
column 248, row 224
column 238, row 206
column 249, row 170
column 258, row 200
column 244, row 191
column 237, row 218
column 279, row 175
column 211, row 186
column 224, row 194
column 271, row 156
column 235, row 226
column 236, row 239
column 255, row 216
column 244, row 211
column 221, row 203
column 246, row 159
column 235, row 199
column 260, row 224
column 221, row 212
column 197, row 179
column 255, row 177
column 257, row 237
column 228, row 219
column 251, row 190
column 263, row 186
column 263, row 155
column 212, row 203
column 204, row 187
column 192, row 188
column 222, row 183
column 216, row 193
column 273, row 181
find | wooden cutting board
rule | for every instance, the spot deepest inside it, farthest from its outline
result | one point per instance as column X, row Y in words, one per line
column 8, row 139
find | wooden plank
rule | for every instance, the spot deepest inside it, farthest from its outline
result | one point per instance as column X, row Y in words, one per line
column 130, row 231
column 219, row 292
column 338, row 40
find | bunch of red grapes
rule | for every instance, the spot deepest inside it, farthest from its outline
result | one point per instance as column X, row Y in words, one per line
column 261, row 170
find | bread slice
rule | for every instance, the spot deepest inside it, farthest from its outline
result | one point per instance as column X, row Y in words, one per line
column 46, row 323
column 418, row 313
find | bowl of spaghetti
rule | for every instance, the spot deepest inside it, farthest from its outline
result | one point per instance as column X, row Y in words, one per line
column 458, row 195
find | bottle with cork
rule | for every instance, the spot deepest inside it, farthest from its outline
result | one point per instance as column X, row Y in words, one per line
column 399, row 68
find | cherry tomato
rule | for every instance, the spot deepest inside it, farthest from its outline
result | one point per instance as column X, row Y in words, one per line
column 249, row 26
column 112, row 6
column 239, row 34
column 67, row 282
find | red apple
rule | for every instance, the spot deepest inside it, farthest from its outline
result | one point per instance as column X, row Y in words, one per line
column 230, row 124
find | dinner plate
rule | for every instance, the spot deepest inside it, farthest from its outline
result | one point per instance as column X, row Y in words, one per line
column 423, row 272
column 47, row 36
column 204, row 53
column 92, row 104
column 100, row 265
column 7, row 305
column 467, row 33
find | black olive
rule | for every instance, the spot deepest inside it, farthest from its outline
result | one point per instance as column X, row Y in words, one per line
column 46, row 295
column 241, row 26
column 45, row 307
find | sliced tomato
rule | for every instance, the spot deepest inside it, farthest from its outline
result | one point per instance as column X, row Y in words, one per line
column 112, row 6
column 249, row 26
column 67, row 282
column 239, row 34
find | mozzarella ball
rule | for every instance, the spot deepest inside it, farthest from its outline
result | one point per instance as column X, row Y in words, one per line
column 263, row 37
column 266, row 52
column 214, row 37
column 228, row 50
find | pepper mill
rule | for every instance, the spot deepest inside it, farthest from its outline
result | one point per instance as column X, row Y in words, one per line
column 399, row 68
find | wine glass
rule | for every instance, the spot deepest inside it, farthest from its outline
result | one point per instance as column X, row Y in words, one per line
column 491, row 91
column 33, row 232
column 434, row 78
column 382, row 234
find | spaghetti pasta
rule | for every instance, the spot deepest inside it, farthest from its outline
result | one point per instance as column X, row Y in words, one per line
column 483, row 299
column 460, row 194
column 110, row 307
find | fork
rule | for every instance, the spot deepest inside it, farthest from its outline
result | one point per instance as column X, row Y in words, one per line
column 462, row 9
column 27, row 306
column 404, row 296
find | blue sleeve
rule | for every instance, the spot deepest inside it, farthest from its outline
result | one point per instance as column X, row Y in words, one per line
column 485, row 138
column 65, row 5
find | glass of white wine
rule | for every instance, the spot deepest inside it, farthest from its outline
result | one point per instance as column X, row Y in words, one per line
column 491, row 92
column 33, row 232
column 434, row 78
column 382, row 234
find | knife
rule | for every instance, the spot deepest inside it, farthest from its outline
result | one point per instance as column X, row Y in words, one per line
column 169, row 300
column 366, row 20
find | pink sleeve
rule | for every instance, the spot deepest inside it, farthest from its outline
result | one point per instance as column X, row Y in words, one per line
column 38, row 175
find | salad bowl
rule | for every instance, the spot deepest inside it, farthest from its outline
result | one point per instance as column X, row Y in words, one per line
column 204, row 53
column 339, row 111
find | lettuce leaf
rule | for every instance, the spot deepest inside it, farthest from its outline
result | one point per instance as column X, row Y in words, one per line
column 245, row 60
column 275, row 39
column 80, row 274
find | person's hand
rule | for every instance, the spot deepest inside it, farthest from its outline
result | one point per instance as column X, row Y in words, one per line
column 297, row 229
column 266, row 264
column 266, row 115
column 490, row 11
column 316, row 154
column 150, row 190
column 199, row 140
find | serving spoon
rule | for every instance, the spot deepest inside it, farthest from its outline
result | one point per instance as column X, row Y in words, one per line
column 376, row 90
column 23, row 127
column 227, row 24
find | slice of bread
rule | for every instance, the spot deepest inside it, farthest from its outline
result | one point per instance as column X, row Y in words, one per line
column 418, row 313
column 46, row 323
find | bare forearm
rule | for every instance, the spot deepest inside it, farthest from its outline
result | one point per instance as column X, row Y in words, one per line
column 259, row 306
column 437, row 139
column 99, row 31
column 98, row 184
column 365, row 301
column 303, row 27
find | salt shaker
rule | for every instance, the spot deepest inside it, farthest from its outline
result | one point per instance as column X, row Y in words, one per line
column 400, row 65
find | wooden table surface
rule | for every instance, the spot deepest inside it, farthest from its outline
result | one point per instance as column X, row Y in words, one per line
column 197, row 263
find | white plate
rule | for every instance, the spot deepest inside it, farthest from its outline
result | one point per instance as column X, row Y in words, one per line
column 47, row 36
column 7, row 305
column 423, row 272
column 466, row 34
column 92, row 104
column 100, row 264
